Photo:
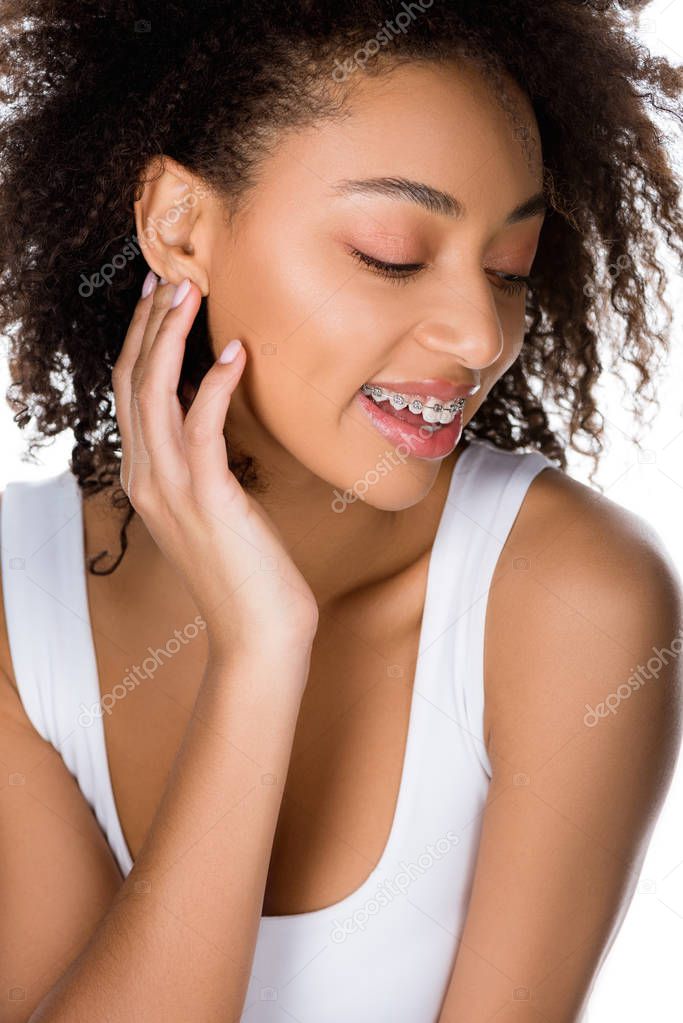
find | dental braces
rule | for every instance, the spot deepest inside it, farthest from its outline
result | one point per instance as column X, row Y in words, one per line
column 436, row 411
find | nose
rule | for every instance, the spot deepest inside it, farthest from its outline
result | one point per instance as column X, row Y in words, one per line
column 465, row 326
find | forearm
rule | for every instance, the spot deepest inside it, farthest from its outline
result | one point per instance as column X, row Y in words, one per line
column 178, row 940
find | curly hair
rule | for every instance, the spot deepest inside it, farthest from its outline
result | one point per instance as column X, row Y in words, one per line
column 94, row 90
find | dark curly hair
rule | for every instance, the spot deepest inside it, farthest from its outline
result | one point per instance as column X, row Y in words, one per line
column 95, row 90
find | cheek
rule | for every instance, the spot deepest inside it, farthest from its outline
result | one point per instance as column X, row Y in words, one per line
column 309, row 339
column 303, row 307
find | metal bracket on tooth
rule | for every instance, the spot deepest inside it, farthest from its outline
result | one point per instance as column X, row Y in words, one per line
column 416, row 405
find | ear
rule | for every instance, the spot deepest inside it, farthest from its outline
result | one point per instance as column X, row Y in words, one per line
column 173, row 222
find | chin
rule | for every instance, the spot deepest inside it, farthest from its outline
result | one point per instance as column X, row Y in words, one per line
column 386, row 482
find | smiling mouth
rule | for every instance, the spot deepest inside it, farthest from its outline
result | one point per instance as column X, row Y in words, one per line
column 428, row 411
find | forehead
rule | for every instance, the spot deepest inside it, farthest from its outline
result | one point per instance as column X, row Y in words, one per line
column 438, row 87
column 444, row 123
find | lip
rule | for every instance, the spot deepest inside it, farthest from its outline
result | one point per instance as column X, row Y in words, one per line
column 421, row 444
column 437, row 387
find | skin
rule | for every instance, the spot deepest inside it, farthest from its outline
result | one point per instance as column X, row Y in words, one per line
column 598, row 579
column 337, row 324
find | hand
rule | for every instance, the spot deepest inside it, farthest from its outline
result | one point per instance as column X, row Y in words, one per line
column 175, row 471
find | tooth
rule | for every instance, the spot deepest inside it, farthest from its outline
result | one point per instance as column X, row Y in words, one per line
column 430, row 410
column 430, row 414
column 398, row 401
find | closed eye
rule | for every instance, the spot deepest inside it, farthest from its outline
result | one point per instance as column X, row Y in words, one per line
column 399, row 273
column 396, row 272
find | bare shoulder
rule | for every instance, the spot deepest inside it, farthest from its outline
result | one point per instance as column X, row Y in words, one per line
column 572, row 528
column 102, row 524
column 582, row 725
column 576, row 521
column 579, row 550
column 584, row 594
column 53, row 853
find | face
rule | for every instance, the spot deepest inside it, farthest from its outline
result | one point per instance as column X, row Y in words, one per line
column 299, row 278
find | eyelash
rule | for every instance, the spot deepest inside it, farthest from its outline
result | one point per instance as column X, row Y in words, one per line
column 399, row 273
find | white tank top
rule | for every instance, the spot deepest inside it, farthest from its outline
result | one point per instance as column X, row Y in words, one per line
column 385, row 952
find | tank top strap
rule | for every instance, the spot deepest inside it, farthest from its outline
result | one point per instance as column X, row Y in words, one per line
column 49, row 629
column 483, row 504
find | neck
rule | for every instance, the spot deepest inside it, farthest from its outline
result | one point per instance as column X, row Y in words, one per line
column 337, row 553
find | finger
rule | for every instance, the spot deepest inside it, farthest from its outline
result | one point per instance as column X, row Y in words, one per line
column 122, row 370
column 161, row 416
column 162, row 296
column 141, row 410
column 203, row 435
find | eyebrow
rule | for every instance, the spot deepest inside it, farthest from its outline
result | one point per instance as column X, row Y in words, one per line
column 432, row 199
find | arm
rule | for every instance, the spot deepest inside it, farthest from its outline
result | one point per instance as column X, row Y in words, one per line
column 572, row 803
column 178, row 939
column 57, row 874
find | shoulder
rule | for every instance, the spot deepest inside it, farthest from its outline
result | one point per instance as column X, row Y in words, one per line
column 576, row 548
column 591, row 553
column 582, row 725
column 583, row 595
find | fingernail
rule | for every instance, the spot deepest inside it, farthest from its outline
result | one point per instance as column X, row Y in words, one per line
column 230, row 351
column 149, row 284
column 162, row 280
column 180, row 293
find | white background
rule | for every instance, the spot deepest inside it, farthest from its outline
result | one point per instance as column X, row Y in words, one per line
column 642, row 978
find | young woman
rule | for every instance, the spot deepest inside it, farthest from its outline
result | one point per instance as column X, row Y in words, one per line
column 305, row 656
